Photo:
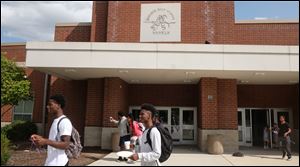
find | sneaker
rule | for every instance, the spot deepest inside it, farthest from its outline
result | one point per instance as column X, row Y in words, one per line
column 125, row 159
column 119, row 159
column 289, row 158
column 283, row 156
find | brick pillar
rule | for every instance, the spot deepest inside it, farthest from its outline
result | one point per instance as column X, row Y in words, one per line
column 227, row 104
column 115, row 99
column 94, row 112
column 208, row 116
column 218, row 112
column 99, row 21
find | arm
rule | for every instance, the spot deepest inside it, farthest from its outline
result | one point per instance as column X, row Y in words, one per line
column 156, row 145
column 63, row 144
column 65, row 130
column 113, row 120
column 286, row 133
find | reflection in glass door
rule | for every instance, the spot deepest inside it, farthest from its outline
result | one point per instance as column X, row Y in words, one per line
column 175, row 127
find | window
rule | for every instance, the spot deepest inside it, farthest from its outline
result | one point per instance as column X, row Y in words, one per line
column 23, row 111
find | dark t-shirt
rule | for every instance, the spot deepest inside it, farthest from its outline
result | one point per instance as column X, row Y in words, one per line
column 283, row 128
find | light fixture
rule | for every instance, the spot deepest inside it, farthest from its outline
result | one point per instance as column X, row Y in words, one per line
column 259, row 73
column 244, row 81
column 70, row 70
column 135, row 81
column 189, row 73
column 187, row 81
column 123, row 71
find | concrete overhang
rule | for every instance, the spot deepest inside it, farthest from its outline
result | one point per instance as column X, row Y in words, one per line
column 166, row 63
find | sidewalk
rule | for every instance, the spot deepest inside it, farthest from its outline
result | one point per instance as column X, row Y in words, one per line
column 191, row 156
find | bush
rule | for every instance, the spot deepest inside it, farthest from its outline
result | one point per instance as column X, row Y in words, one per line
column 4, row 149
column 19, row 130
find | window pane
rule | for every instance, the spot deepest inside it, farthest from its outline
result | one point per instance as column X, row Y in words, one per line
column 188, row 117
column 28, row 107
column 136, row 114
column 188, row 134
column 247, row 117
column 175, row 116
column 175, row 128
column 163, row 115
column 22, row 117
column 20, row 107
column 239, row 118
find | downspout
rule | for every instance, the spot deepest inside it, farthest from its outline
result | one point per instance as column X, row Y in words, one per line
column 44, row 104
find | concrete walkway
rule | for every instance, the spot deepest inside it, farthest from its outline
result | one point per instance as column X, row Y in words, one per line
column 192, row 156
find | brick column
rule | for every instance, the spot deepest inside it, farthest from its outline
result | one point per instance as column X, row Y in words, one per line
column 94, row 112
column 218, row 112
column 208, row 115
column 115, row 100
column 227, row 104
column 99, row 21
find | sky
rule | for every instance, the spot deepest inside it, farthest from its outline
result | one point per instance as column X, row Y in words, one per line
column 23, row 21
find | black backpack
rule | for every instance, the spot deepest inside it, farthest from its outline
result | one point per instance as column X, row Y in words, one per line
column 166, row 142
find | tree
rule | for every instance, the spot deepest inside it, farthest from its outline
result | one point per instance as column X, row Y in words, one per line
column 14, row 84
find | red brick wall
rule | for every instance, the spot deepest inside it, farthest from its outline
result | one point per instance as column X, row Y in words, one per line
column 75, row 95
column 200, row 21
column 73, row 33
column 94, row 102
column 208, row 113
column 37, row 80
column 163, row 95
column 6, row 113
column 14, row 52
column 267, row 34
column 221, row 111
column 270, row 96
column 227, row 104
column 115, row 99
column 99, row 21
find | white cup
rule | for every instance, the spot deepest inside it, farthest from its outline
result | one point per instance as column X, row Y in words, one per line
column 127, row 145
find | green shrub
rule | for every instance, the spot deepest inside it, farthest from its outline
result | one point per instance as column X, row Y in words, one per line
column 19, row 130
column 4, row 149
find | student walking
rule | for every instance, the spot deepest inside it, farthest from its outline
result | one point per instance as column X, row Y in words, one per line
column 59, row 137
column 149, row 156
column 284, row 138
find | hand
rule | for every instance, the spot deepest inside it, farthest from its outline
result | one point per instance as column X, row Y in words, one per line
column 110, row 118
column 134, row 157
column 35, row 137
column 39, row 140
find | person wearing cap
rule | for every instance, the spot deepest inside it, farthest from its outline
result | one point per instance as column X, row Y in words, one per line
column 57, row 142
column 148, row 156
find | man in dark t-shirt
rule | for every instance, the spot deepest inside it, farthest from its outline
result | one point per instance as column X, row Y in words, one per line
column 284, row 137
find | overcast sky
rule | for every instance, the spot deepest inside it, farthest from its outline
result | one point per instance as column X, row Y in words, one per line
column 35, row 20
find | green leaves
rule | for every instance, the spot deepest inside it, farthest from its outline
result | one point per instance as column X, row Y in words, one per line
column 14, row 85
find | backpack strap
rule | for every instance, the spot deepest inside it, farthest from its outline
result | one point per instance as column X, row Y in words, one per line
column 148, row 138
column 59, row 123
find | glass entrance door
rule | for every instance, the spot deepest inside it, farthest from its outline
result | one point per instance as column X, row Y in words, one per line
column 245, row 127
column 188, row 124
column 181, row 122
